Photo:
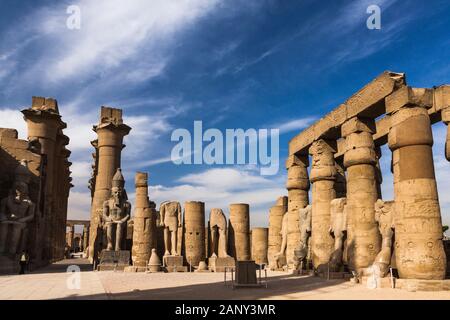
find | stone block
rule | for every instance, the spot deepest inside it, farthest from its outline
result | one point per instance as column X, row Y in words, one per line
column 114, row 260
column 246, row 273
column 356, row 124
column 407, row 96
column 441, row 98
column 218, row 264
column 174, row 264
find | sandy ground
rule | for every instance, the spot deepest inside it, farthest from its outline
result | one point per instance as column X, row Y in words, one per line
column 53, row 282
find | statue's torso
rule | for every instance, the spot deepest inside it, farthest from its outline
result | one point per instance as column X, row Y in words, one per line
column 17, row 210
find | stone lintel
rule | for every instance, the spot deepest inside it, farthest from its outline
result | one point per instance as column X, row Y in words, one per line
column 409, row 97
column 367, row 102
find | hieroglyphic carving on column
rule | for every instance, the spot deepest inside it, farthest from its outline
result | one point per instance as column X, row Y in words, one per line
column 323, row 176
column 260, row 245
column 144, row 223
column 418, row 227
column 194, row 235
column 297, row 186
column 360, row 159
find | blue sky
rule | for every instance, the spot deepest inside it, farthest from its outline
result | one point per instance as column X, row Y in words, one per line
column 231, row 64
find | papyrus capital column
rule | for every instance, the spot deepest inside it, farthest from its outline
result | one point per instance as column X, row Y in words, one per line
column 297, row 186
column 110, row 131
column 418, row 227
column 322, row 176
column 360, row 160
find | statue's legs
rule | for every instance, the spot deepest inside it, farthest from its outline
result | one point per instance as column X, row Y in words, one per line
column 109, row 236
column 174, row 243
column 3, row 235
column 15, row 238
column 222, row 243
column 119, row 232
column 167, row 241
column 214, row 242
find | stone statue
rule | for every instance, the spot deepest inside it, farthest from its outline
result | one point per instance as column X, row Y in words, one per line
column 338, row 228
column 116, row 213
column 170, row 219
column 218, row 228
column 305, row 232
column 384, row 215
column 16, row 211
column 284, row 234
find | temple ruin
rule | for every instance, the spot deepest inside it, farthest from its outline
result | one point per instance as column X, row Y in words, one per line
column 35, row 185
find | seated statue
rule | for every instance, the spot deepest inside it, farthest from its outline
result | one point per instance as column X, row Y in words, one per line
column 116, row 213
column 305, row 231
column 170, row 219
column 338, row 228
column 218, row 228
column 16, row 211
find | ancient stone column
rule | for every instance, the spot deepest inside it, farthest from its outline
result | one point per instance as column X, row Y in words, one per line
column 144, row 223
column 360, row 159
column 111, row 131
column 441, row 101
column 260, row 238
column 297, row 186
column 323, row 176
column 418, row 228
column 44, row 122
column 239, row 231
column 276, row 215
column 194, row 236
column 70, row 237
column 85, row 237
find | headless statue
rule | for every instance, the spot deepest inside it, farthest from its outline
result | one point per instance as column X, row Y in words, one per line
column 384, row 215
column 170, row 219
column 16, row 211
column 116, row 212
column 338, row 228
column 218, row 227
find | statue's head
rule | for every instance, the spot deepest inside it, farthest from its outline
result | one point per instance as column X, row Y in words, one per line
column 117, row 187
column 20, row 191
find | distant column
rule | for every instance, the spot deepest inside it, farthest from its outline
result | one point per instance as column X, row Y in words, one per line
column 260, row 245
column 194, row 234
column 111, row 130
column 239, row 231
column 298, row 187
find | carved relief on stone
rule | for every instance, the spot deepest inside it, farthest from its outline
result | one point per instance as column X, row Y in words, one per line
column 116, row 213
column 338, row 228
column 16, row 211
column 170, row 218
column 284, row 234
column 219, row 234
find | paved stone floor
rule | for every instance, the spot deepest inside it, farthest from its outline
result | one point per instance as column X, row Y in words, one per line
column 53, row 282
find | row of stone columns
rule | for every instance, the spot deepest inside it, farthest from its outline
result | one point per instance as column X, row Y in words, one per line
column 418, row 228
